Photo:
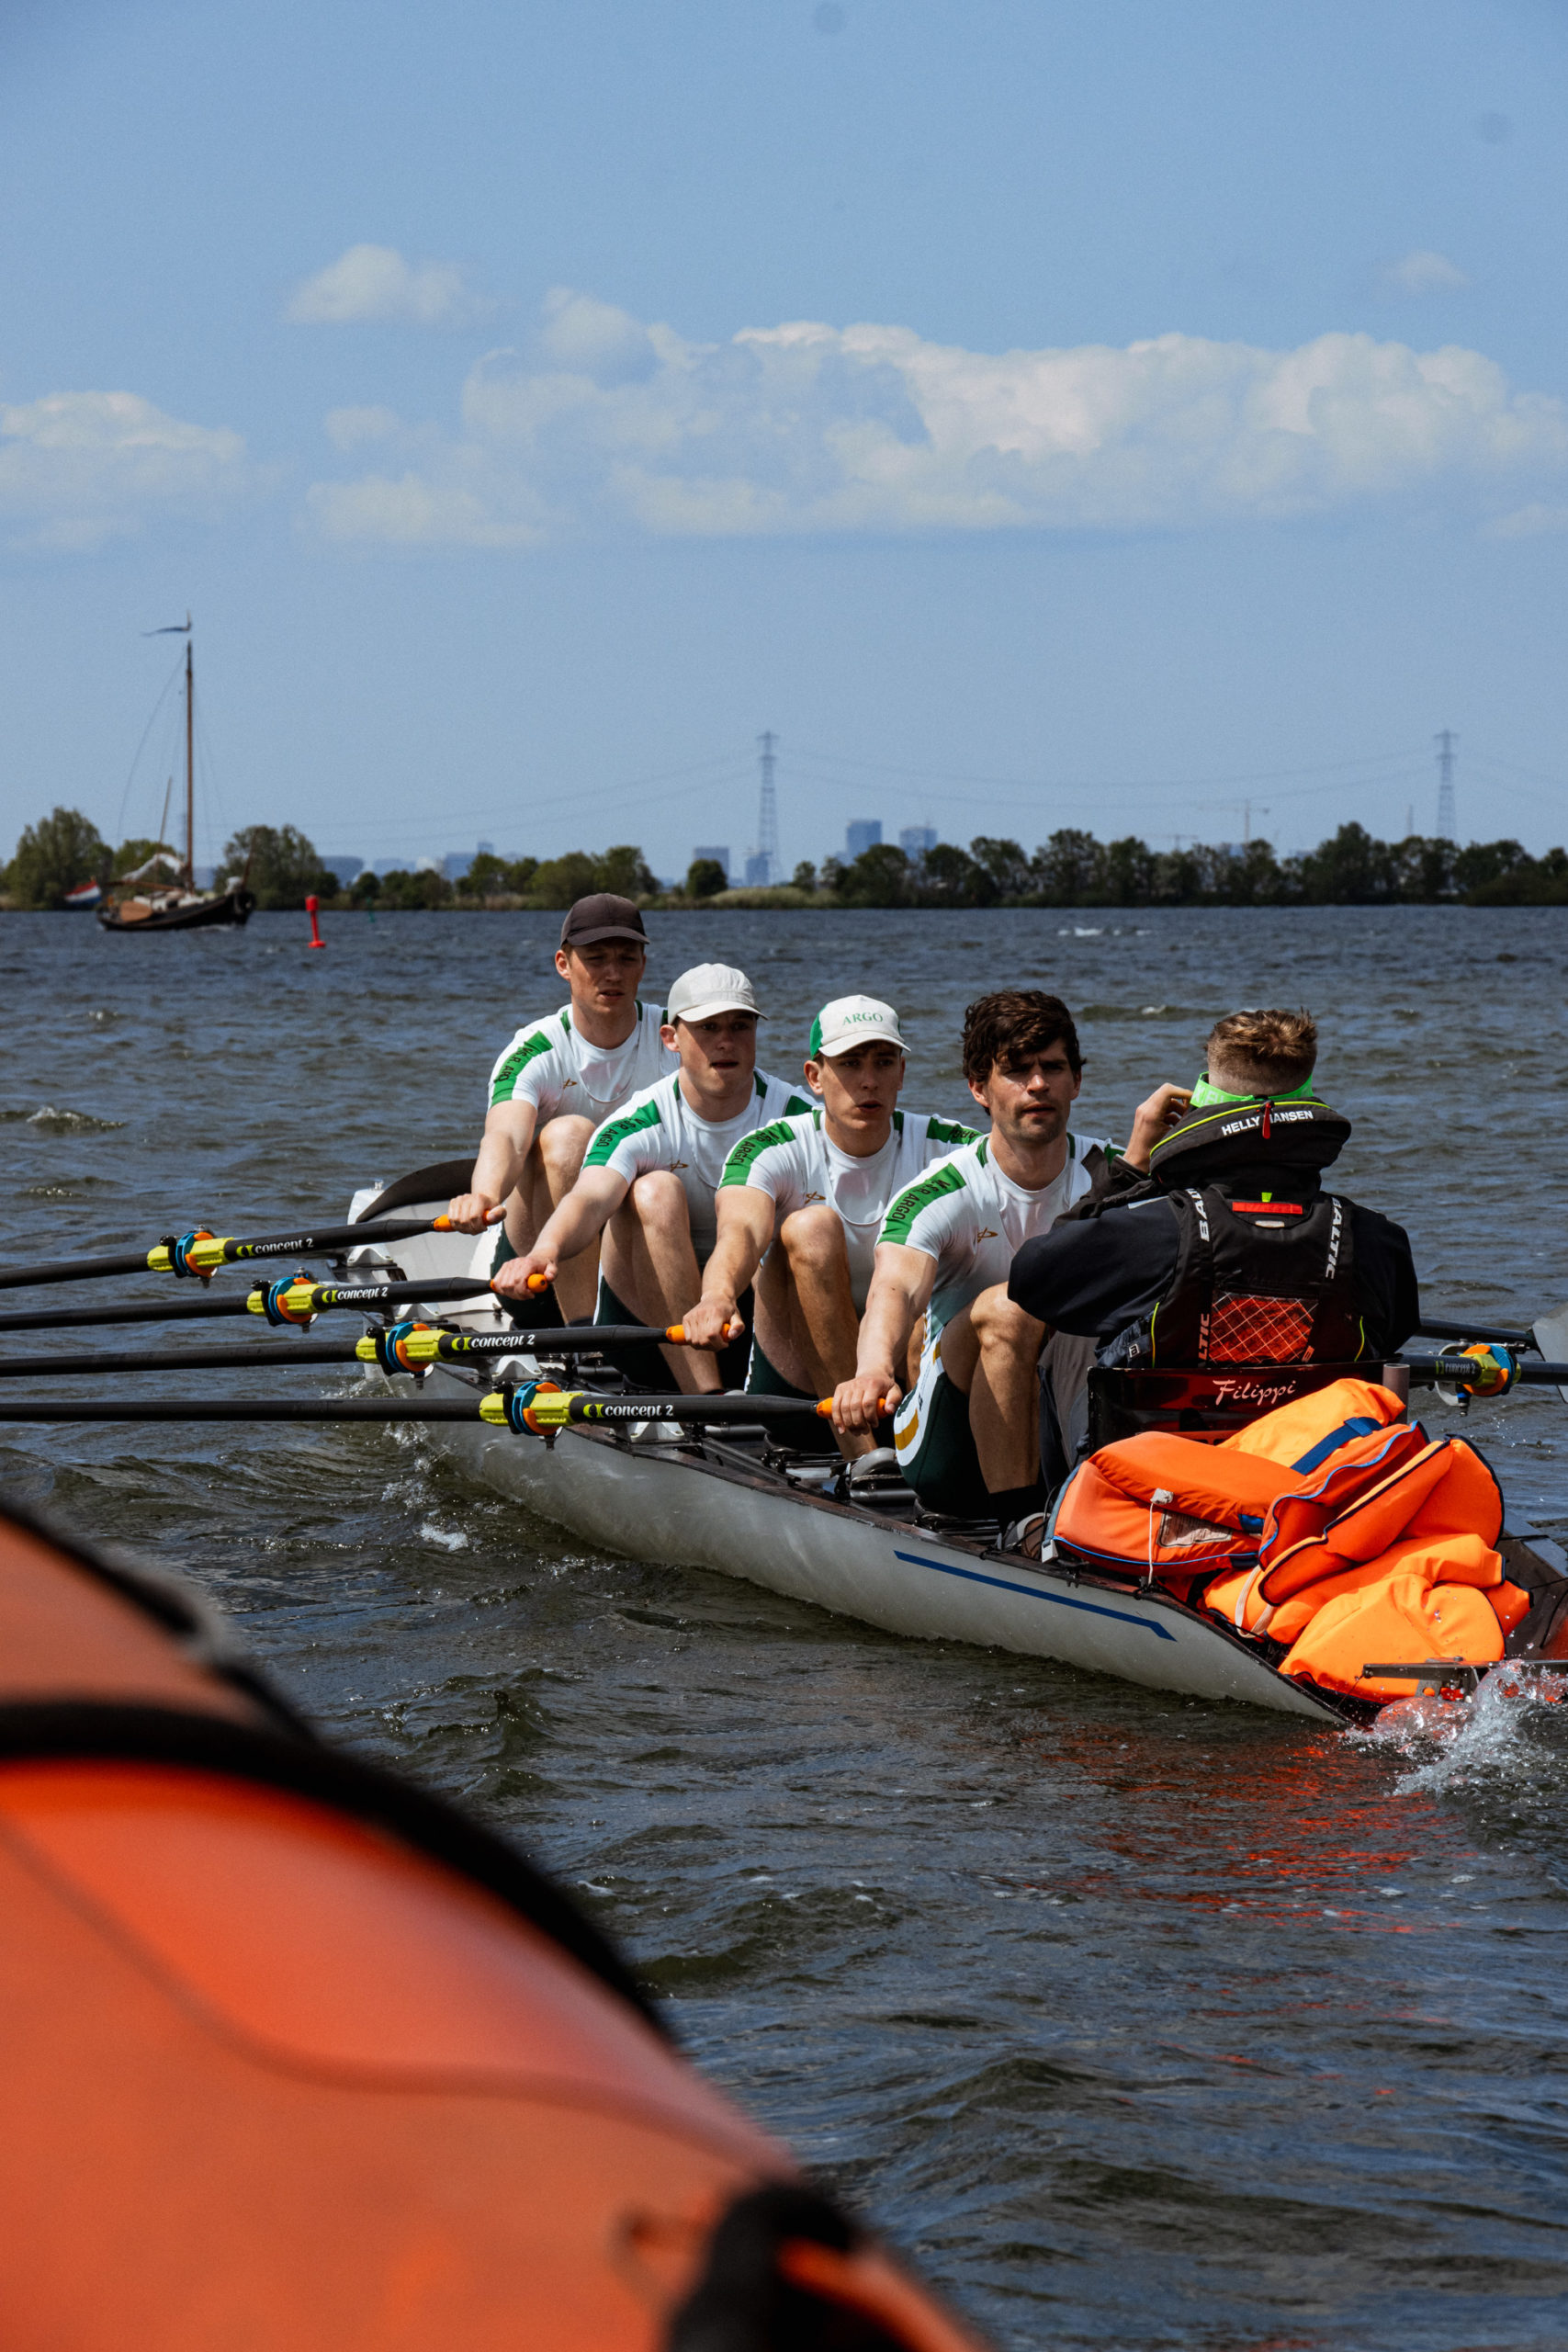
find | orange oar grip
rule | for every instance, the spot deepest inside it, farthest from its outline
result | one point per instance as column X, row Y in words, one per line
column 676, row 1333
column 823, row 1410
column 536, row 1283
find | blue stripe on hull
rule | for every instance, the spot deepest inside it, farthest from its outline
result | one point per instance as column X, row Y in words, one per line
column 1061, row 1600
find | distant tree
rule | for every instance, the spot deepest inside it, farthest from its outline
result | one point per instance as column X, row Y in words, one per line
column 830, row 874
column 409, row 893
column 1004, row 861
column 880, row 876
column 58, row 853
column 705, row 878
column 485, row 877
column 365, row 885
column 950, row 877
column 1067, row 870
column 805, row 876
column 624, row 870
column 1502, row 869
column 1129, row 873
column 520, row 874
column 1352, row 869
column 1423, row 869
column 284, row 866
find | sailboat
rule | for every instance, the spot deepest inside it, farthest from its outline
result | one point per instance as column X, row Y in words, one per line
column 164, row 895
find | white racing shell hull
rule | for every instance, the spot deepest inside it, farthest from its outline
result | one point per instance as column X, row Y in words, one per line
column 676, row 1505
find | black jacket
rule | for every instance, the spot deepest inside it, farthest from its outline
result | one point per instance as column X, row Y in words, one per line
column 1096, row 1275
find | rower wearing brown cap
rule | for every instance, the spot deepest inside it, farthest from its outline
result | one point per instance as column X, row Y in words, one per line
column 559, row 1077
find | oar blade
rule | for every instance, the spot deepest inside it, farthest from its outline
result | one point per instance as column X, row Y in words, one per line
column 1549, row 1334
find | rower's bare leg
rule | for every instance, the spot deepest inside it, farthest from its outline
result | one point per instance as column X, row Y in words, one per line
column 553, row 1168
column 992, row 1349
column 806, row 1324
column 650, row 1263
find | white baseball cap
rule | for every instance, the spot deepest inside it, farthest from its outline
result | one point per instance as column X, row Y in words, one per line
column 852, row 1021
column 709, row 989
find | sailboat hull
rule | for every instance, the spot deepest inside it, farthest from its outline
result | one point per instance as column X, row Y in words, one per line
column 229, row 907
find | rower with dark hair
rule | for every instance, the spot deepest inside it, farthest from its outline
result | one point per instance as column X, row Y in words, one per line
column 1217, row 1245
column 966, row 1432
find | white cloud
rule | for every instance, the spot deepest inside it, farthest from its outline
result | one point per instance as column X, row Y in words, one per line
column 373, row 285
column 603, row 423
column 1425, row 273
column 78, row 468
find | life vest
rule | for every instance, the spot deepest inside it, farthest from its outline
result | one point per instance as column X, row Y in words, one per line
column 1332, row 1525
column 1301, row 1134
column 1257, row 1282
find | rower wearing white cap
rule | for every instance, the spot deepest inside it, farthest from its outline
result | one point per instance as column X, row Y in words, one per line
column 804, row 1198
column 559, row 1078
column 649, row 1173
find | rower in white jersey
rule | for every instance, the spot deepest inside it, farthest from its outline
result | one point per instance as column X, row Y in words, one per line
column 967, row 1435
column 649, row 1174
column 802, row 1199
column 561, row 1077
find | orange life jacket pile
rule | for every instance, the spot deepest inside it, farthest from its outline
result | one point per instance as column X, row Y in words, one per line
column 1332, row 1525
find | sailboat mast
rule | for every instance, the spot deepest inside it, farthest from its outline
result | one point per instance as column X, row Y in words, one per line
column 190, row 763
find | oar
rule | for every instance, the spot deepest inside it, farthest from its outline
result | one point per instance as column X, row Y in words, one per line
column 202, row 1252
column 400, row 1348
column 1492, row 1333
column 539, row 1410
column 1487, row 1374
column 284, row 1301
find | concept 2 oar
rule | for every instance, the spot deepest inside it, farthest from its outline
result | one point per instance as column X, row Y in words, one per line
column 541, row 1411
column 401, row 1346
column 293, row 1301
column 201, row 1254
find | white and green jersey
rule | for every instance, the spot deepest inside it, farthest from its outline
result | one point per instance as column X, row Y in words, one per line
column 795, row 1162
column 974, row 1220
column 658, row 1128
column 551, row 1065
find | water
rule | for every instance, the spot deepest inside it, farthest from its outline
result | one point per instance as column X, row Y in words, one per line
column 1138, row 2022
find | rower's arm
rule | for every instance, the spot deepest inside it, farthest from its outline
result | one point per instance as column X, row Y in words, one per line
column 586, row 1210
column 508, row 1138
column 901, row 1293
column 1165, row 1109
column 745, row 1230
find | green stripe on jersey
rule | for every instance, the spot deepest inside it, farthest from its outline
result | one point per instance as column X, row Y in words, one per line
column 512, row 1068
column 743, row 1156
column 933, row 1186
column 615, row 1131
column 948, row 1131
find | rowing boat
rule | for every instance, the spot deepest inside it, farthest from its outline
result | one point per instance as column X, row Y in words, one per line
column 739, row 1502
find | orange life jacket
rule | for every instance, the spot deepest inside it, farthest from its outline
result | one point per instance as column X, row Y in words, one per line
column 1160, row 1501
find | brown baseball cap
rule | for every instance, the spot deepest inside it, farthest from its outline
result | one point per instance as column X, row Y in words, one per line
column 601, row 916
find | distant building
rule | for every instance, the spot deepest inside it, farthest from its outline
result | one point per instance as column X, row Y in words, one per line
column 719, row 856
column 345, row 869
column 862, row 833
column 914, row 840
column 457, row 866
column 758, row 870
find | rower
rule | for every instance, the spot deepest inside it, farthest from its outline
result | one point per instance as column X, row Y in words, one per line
column 651, row 1174
column 1218, row 1246
column 965, row 1436
column 561, row 1077
column 804, row 1199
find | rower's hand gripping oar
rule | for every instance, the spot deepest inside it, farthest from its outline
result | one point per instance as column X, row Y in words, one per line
column 202, row 1252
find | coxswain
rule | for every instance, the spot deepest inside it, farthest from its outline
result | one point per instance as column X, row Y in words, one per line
column 649, row 1173
column 1217, row 1244
column 801, row 1202
column 561, row 1077
column 965, row 1433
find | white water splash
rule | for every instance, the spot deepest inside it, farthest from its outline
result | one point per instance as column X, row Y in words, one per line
column 451, row 1539
column 1455, row 1744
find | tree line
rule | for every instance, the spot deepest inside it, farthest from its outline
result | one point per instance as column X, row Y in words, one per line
column 1073, row 868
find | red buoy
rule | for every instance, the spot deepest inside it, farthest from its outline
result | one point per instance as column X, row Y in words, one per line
column 311, row 907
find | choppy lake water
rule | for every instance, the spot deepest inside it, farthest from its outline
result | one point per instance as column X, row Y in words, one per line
column 1138, row 2022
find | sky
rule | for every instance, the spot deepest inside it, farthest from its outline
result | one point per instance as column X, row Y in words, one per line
column 1144, row 418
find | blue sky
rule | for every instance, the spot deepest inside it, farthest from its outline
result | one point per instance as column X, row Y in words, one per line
column 1035, row 414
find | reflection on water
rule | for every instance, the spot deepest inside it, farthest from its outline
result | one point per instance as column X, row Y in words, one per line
column 1141, row 2022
